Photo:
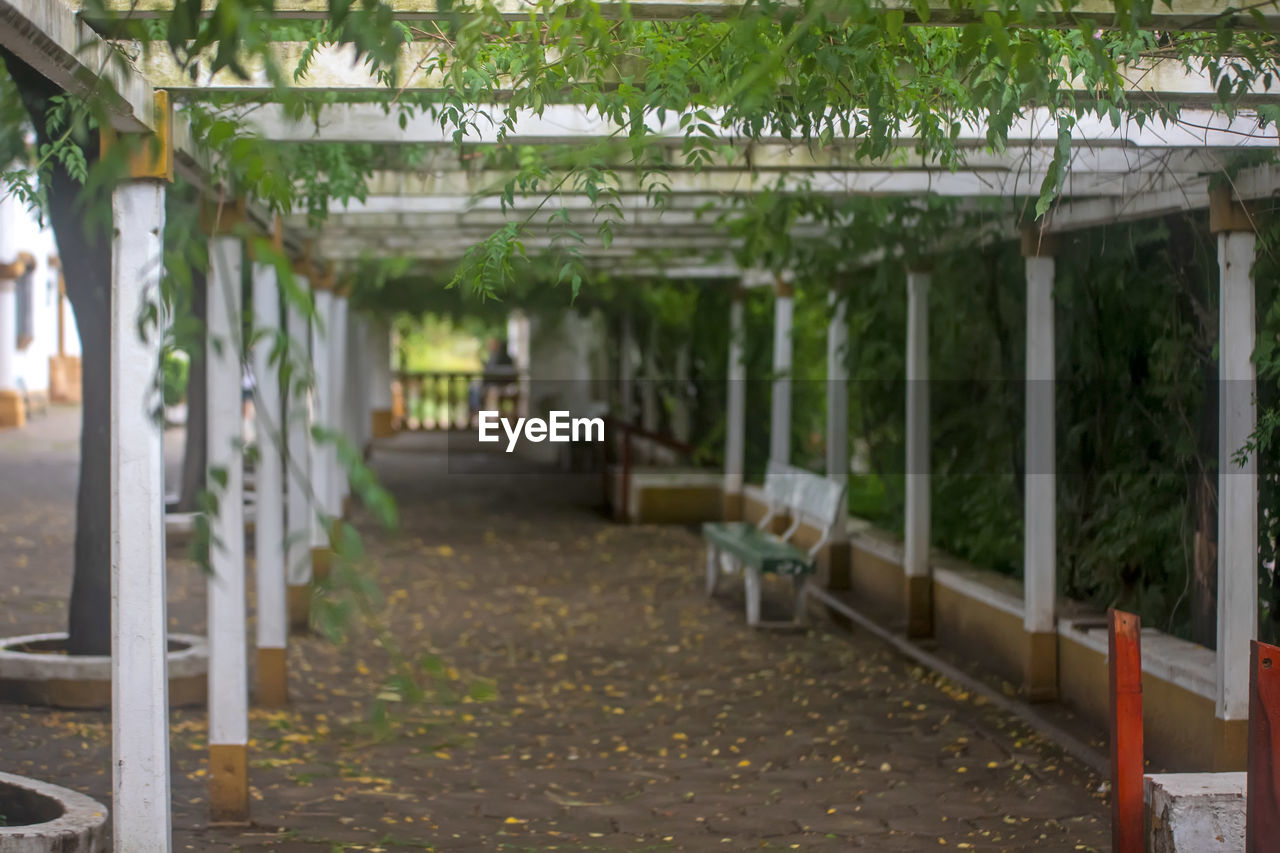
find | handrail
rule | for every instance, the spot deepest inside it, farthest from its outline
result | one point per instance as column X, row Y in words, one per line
column 657, row 438
column 628, row 430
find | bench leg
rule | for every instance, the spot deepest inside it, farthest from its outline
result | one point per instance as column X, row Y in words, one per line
column 751, row 575
column 713, row 569
column 800, row 586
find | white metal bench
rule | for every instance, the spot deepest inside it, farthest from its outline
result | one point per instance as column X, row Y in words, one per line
column 806, row 499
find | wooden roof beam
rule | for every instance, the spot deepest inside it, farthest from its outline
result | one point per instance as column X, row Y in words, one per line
column 1175, row 15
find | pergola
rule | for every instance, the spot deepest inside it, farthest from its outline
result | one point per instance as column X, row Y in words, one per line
column 431, row 213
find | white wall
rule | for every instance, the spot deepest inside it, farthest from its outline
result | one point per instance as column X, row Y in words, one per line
column 565, row 363
column 32, row 362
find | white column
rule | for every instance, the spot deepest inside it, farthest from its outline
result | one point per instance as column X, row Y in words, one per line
column 336, row 416
column 649, row 387
column 626, row 368
column 354, row 409
column 918, row 586
column 272, row 622
column 680, row 415
column 8, row 334
column 301, row 511
column 11, row 212
column 735, row 441
column 518, row 329
column 364, row 387
column 139, row 674
column 380, row 376
column 916, row 544
column 1040, row 513
column 228, row 654
column 780, row 398
column 838, row 391
column 1237, row 484
column 321, row 457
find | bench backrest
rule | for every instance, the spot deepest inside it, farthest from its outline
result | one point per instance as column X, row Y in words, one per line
column 806, row 497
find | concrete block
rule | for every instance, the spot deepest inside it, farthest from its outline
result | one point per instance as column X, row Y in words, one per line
column 1195, row 812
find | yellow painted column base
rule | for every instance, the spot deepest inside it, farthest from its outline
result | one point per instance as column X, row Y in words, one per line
column 12, row 412
column 733, row 506
column 1040, row 676
column 321, row 560
column 1230, row 745
column 272, row 674
column 383, row 424
column 298, row 603
column 917, row 596
column 228, row 783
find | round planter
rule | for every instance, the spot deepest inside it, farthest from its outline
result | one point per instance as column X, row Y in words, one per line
column 36, row 817
column 35, row 670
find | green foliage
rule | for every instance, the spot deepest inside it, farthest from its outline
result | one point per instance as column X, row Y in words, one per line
column 175, row 368
column 1136, row 325
column 434, row 343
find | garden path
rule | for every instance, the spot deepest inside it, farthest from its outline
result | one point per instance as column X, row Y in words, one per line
column 630, row 714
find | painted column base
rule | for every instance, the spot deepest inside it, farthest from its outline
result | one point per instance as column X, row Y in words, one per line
column 321, row 560
column 1040, row 678
column 229, row 783
column 12, row 412
column 272, row 674
column 383, row 423
column 918, row 600
column 733, row 506
column 1230, row 745
column 298, row 602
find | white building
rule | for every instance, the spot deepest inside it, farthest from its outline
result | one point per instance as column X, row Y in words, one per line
column 39, row 343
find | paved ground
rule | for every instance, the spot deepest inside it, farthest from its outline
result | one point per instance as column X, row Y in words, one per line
column 627, row 713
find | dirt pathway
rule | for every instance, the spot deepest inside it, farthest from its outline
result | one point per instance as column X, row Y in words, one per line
column 630, row 715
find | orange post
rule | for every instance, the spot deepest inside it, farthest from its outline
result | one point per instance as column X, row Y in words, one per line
column 1125, row 669
column 1262, row 804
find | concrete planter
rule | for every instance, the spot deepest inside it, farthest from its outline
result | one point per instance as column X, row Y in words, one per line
column 34, row 670
column 36, row 817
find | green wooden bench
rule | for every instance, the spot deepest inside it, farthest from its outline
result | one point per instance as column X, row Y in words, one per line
column 754, row 549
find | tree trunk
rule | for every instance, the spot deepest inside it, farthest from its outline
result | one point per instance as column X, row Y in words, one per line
column 84, row 248
column 195, row 452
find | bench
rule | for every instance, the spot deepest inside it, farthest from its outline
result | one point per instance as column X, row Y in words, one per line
column 755, row 550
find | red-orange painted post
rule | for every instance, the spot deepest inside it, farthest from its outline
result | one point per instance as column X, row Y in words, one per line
column 1262, row 806
column 1125, row 665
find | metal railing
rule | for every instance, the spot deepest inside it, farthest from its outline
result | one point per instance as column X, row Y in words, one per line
column 627, row 434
